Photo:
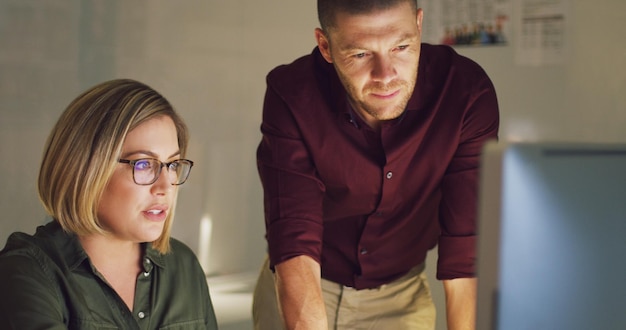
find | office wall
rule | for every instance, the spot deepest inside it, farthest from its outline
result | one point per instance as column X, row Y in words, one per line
column 210, row 59
column 582, row 99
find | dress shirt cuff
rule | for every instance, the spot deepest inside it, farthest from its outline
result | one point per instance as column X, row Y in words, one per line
column 457, row 257
column 294, row 237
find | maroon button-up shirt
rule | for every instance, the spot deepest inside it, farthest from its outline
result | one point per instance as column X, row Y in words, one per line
column 369, row 206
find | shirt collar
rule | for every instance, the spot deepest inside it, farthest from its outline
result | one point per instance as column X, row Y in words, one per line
column 72, row 251
column 155, row 257
column 68, row 245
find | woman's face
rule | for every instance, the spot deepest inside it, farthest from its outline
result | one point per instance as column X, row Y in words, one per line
column 132, row 212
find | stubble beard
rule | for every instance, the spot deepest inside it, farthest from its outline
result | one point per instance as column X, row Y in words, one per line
column 383, row 111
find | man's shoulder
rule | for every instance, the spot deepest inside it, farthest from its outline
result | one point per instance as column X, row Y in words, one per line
column 302, row 64
column 444, row 57
column 303, row 74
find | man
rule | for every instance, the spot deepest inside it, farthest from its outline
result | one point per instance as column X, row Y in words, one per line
column 369, row 158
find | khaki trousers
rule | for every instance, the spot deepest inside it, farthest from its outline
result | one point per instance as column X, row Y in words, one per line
column 402, row 304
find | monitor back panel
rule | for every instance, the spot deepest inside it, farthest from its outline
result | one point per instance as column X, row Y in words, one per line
column 552, row 237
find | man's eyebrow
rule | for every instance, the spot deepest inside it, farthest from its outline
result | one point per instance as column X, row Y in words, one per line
column 403, row 38
column 406, row 37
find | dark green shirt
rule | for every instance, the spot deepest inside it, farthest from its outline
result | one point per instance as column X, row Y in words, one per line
column 48, row 282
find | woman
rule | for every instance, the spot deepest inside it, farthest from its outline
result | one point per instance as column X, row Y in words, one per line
column 109, row 177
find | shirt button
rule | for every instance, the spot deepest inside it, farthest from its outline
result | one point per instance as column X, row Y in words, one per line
column 147, row 261
column 141, row 315
column 389, row 175
column 363, row 251
column 146, row 274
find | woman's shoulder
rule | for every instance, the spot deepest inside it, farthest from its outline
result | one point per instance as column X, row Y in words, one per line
column 180, row 248
column 35, row 262
column 43, row 242
column 180, row 254
column 180, row 257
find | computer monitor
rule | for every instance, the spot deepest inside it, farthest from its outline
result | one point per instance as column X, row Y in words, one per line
column 552, row 236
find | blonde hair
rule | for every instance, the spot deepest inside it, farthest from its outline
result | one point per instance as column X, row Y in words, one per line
column 84, row 146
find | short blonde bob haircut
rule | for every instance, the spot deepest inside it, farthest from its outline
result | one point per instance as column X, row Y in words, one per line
column 84, row 146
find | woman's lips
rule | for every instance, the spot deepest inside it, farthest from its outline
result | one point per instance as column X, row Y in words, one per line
column 156, row 213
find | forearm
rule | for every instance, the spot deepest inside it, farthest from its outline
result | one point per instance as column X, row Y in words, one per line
column 298, row 283
column 461, row 303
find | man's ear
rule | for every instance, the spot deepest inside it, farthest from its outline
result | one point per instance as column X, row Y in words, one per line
column 323, row 44
column 420, row 18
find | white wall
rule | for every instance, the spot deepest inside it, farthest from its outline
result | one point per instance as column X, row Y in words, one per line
column 210, row 59
column 582, row 99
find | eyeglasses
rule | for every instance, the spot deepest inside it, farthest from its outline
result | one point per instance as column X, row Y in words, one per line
column 146, row 171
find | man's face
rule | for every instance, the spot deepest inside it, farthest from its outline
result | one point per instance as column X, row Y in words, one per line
column 376, row 56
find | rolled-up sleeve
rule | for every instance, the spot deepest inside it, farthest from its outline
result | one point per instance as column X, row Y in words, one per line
column 293, row 194
column 458, row 208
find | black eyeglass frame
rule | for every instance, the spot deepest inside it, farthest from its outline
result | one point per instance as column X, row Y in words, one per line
column 158, row 171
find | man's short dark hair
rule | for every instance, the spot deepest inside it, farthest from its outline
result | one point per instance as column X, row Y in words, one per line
column 327, row 9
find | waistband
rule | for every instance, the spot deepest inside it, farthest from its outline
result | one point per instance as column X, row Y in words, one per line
column 413, row 272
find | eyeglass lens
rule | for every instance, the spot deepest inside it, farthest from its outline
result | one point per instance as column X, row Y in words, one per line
column 147, row 171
